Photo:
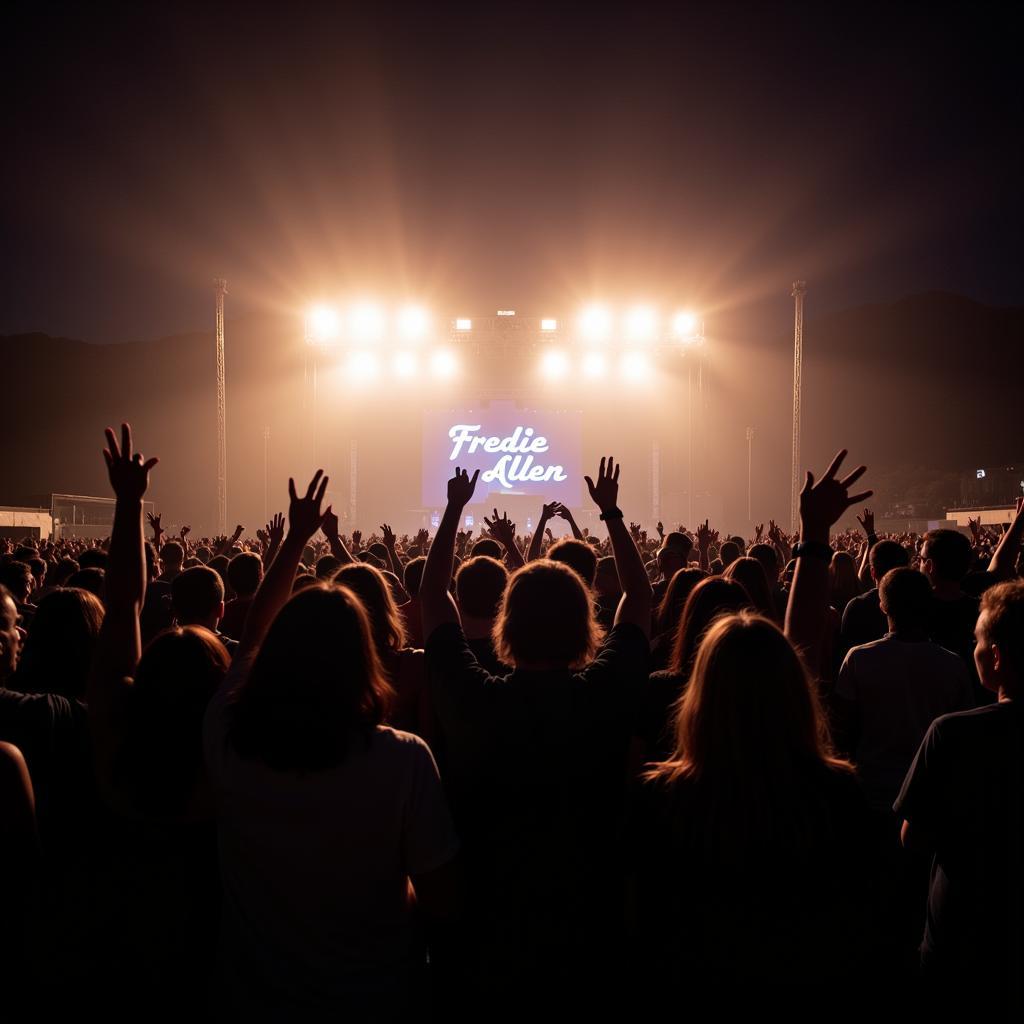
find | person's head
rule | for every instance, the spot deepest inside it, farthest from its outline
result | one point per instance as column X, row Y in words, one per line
column 769, row 559
column 326, row 567
column 379, row 551
column 999, row 635
column 842, row 579
column 413, row 574
column 606, row 579
column 370, row 586
column 674, row 554
column 670, row 611
column 479, row 585
column 89, row 578
column 488, row 547
column 93, row 558
column 62, row 572
column 161, row 762
column 748, row 573
column 244, row 573
column 204, row 554
column 315, row 686
column 577, row 555
column 747, row 728
column 885, row 556
column 197, row 596
column 905, row 597
column 303, row 580
column 172, row 554
column 945, row 556
column 728, row 553
column 17, row 577
column 546, row 618
column 60, row 644
column 38, row 567
column 11, row 634
column 709, row 599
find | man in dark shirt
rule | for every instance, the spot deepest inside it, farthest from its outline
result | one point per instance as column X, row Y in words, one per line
column 963, row 800
column 863, row 619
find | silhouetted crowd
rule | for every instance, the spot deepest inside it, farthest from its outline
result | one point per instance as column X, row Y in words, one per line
column 308, row 776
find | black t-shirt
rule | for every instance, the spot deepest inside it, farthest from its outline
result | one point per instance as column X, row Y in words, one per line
column 535, row 765
column 781, row 909
column 965, row 790
column 863, row 621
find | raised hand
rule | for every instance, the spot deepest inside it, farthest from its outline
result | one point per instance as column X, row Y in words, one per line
column 550, row 535
column 822, row 503
column 388, row 535
column 661, row 529
column 502, row 529
column 239, row 530
column 605, row 493
column 275, row 528
column 129, row 475
column 550, row 510
column 154, row 521
column 704, row 535
column 975, row 526
column 461, row 487
column 634, row 530
column 759, row 532
column 867, row 524
column 304, row 515
column 186, row 530
column 357, row 539
column 422, row 536
column 330, row 524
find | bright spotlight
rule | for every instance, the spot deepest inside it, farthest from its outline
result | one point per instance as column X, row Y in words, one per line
column 463, row 323
column 595, row 364
column 366, row 322
column 443, row 364
column 413, row 323
column 548, row 324
column 363, row 366
column 322, row 323
column 641, row 324
column 554, row 364
column 684, row 324
column 405, row 365
column 596, row 323
column 635, row 366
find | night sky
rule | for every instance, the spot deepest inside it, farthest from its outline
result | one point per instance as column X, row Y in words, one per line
column 503, row 156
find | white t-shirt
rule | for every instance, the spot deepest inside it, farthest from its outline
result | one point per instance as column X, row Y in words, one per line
column 316, row 866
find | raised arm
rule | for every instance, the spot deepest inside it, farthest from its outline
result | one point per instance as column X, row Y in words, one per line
column 394, row 563
column 704, row 544
column 275, row 534
column 562, row 512
column 337, row 545
column 304, row 519
column 503, row 531
column 637, row 596
column 436, row 603
column 867, row 524
column 537, row 541
column 1004, row 558
column 821, row 505
column 227, row 543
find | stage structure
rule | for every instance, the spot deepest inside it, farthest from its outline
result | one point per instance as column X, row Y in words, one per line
column 798, row 293
column 221, row 288
column 542, row 396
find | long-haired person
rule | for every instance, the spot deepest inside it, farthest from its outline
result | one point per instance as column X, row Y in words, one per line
column 750, row 867
column 537, row 759
column 333, row 827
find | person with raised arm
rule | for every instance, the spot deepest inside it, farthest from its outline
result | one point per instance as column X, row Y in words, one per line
column 333, row 830
column 536, row 759
column 503, row 530
column 807, row 613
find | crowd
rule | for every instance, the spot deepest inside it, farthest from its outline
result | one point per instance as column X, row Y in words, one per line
column 302, row 775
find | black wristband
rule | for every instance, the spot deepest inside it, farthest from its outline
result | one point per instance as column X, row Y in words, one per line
column 812, row 549
column 612, row 513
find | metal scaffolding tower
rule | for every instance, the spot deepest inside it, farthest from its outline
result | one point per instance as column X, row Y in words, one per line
column 798, row 293
column 221, row 287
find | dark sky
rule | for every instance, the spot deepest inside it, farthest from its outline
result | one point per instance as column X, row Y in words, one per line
column 503, row 156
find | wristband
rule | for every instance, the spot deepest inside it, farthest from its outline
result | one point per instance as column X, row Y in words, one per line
column 612, row 513
column 812, row 549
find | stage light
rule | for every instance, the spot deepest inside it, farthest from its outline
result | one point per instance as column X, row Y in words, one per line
column 595, row 364
column 363, row 366
column 635, row 366
column 443, row 364
column 463, row 323
column 554, row 364
column 548, row 325
column 405, row 364
column 641, row 324
column 684, row 325
column 413, row 323
column 322, row 323
column 595, row 323
column 366, row 322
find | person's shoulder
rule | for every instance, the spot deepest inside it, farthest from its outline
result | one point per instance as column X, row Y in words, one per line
column 401, row 745
column 873, row 648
